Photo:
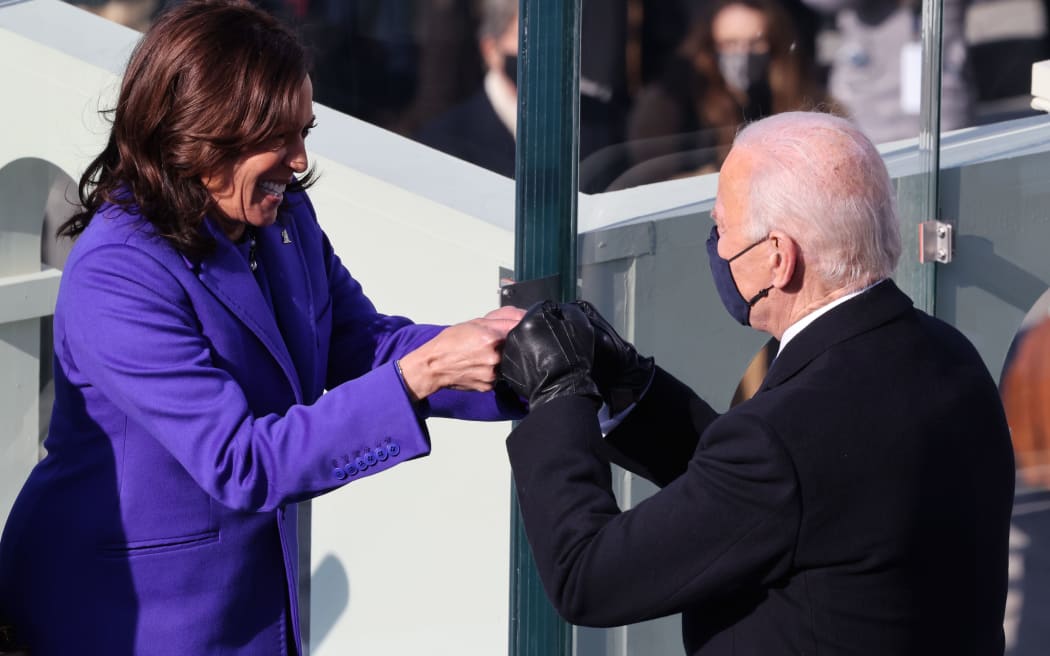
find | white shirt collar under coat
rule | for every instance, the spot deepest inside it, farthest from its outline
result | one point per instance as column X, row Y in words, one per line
column 503, row 100
column 794, row 329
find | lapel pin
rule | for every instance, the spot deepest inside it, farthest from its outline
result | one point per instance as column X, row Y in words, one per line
column 284, row 237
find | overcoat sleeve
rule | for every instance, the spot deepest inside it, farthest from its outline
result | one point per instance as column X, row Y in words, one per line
column 659, row 436
column 134, row 335
column 730, row 520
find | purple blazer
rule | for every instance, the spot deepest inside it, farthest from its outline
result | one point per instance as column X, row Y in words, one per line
column 189, row 418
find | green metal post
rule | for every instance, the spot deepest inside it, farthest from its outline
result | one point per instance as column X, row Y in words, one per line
column 545, row 245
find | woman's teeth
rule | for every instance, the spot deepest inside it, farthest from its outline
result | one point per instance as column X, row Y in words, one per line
column 275, row 188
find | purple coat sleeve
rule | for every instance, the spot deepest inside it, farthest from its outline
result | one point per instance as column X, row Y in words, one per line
column 190, row 357
column 136, row 337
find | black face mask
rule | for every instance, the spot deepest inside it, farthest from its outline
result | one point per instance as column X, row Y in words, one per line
column 743, row 70
column 510, row 68
column 738, row 307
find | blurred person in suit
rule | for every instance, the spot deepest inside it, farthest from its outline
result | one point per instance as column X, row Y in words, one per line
column 482, row 129
column 875, row 69
column 858, row 503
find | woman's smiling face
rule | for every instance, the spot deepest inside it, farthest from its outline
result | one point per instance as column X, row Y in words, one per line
column 249, row 190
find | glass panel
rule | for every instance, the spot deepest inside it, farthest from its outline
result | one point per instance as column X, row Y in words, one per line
column 690, row 74
column 1000, row 41
column 402, row 65
column 995, row 292
column 664, row 84
column 989, row 49
column 1025, row 388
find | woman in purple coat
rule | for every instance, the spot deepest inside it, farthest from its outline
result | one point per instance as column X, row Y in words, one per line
column 201, row 317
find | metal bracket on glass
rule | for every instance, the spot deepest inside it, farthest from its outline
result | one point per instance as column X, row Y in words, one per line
column 1041, row 85
column 525, row 293
column 935, row 242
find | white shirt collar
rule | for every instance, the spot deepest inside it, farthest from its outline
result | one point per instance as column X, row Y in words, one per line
column 794, row 329
column 504, row 101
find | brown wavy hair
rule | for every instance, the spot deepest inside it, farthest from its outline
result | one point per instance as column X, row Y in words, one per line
column 209, row 81
column 792, row 78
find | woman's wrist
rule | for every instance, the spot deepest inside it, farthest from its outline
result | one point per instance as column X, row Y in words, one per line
column 415, row 376
column 401, row 378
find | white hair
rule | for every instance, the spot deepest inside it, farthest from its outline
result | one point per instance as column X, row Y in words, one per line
column 496, row 16
column 817, row 178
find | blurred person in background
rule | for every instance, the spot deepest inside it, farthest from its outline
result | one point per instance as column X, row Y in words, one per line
column 875, row 72
column 664, row 24
column 740, row 62
column 450, row 67
column 365, row 53
column 215, row 364
column 1025, row 389
column 482, row 129
column 136, row 14
column 1026, row 396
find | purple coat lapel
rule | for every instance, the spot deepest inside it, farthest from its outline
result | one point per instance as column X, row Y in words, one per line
column 285, row 268
column 227, row 276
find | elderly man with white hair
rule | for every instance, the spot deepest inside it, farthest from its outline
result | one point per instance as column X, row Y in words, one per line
column 859, row 503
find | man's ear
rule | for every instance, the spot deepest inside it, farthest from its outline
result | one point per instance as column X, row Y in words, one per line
column 785, row 260
column 490, row 54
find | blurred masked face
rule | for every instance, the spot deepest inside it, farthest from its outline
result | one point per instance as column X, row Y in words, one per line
column 742, row 45
column 501, row 54
column 250, row 189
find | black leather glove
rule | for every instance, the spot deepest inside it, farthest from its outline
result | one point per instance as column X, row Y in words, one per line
column 620, row 372
column 548, row 354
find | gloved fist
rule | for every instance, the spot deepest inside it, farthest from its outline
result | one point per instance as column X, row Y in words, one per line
column 548, row 354
column 620, row 372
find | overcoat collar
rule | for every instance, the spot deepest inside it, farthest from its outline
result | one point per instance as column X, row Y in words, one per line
column 226, row 274
column 875, row 307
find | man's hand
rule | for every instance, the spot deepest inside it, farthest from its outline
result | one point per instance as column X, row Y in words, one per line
column 549, row 354
column 620, row 372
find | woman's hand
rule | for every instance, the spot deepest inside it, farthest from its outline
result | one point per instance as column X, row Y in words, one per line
column 463, row 357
